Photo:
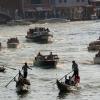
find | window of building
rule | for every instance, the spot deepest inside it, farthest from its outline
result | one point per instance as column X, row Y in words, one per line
column 83, row 0
column 52, row 1
column 78, row 0
column 36, row 1
column 60, row 1
column 65, row 1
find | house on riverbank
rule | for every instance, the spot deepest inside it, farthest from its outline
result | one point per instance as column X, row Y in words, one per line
column 72, row 9
column 42, row 9
column 96, row 7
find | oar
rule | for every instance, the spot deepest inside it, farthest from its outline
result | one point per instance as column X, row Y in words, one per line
column 9, row 67
column 63, row 77
column 11, row 80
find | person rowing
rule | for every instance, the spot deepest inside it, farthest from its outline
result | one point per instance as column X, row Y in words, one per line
column 25, row 70
column 76, row 72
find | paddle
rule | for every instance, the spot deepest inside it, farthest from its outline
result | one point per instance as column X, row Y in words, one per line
column 8, row 67
column 11, row 79
column 63, row 77
column 11, row 68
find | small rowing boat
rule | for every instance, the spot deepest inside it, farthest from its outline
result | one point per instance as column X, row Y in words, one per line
column 46, row 61
column 22, row 85
column 68, row 85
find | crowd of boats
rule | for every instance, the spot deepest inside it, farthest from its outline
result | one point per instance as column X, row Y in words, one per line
column 41, row 35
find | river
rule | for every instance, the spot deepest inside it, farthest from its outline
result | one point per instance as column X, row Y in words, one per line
column 70, row 41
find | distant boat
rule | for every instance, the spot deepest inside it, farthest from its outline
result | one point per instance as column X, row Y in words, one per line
column 95, row 45
column 12, row 43
column 54, row 20
column 39, row 35
column 2, row 69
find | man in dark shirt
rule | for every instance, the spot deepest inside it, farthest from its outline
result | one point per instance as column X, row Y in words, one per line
column 25, row 68
column 75, row 69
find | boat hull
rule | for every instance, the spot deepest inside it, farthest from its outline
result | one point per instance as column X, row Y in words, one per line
column 12, row 45
column 94, row 48
column 2, row 69
column 46, row 63
column 64, row 87
column 97, row 60
column 22, row 87
column 40, row 39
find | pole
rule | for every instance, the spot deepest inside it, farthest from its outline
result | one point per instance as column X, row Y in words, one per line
column 63, row 76
column 11, row 80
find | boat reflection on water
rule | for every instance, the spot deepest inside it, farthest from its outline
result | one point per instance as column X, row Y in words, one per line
column 62, row 95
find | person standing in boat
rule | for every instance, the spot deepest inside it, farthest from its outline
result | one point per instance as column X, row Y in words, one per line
column 50, row 56
column 76, row 73
column 75, row 69
column 25, row 70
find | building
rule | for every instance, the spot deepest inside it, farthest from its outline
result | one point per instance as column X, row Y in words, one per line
column 41, row 9
column 96, row 7
column 72, row 9
column 10, row 7
column 36, row 9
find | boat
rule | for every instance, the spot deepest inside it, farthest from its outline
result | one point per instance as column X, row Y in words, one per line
column 39, row 34
column 97, row 58
column 22, row 85
column 94, row 46
column 13, row 43
column 66, row 86
column 2, row 69
column 46, row 61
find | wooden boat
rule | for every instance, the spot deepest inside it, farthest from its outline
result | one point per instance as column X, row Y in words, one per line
column 65, row 87
column 22, row 85
column 39, row 34
column 12, row 43
column 46, row 61
column 2, row 69
column 95, row 45
column 69, row 85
